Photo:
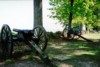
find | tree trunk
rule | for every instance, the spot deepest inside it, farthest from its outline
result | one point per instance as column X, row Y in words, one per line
column 70, row 19
column 37, row 12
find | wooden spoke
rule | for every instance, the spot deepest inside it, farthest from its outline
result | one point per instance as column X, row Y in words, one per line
column 40, row 36
column 6, row 41
column 65, row 31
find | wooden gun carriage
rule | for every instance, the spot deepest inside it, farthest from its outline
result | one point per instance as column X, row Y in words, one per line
column 36, row 39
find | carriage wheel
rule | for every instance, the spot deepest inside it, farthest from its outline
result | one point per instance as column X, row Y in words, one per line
column 76, row 34
column 40, row 36
column 65, row 34
column 76, row 37
column 6, row 41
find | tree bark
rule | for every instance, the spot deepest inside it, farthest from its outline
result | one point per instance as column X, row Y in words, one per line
column 37, row 12
column 71, row 14
column 70, row 19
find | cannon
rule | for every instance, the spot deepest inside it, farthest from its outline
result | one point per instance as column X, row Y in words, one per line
column 36, row 39
column 74, row 32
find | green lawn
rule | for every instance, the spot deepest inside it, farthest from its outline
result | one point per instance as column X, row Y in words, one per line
column 73, row 48
column 76, row 51
column 92, row 35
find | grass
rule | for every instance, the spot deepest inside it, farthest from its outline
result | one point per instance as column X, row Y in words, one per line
column 9, row 61
column 92, row 35
column 75, row 50
column 70, row 48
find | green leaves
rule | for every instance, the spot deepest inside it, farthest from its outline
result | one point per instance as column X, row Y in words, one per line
column 84, row 11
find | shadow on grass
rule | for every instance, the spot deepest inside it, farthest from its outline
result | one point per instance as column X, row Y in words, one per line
column 78, row 50
column 17, row 55
column 84, row 60
column 74, row 45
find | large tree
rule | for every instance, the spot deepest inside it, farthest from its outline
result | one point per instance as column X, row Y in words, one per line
column 37, row 12
column 81, row 11
column 71, row 14
column 96, row 12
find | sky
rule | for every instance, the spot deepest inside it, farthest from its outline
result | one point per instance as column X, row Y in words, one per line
column 19, row 14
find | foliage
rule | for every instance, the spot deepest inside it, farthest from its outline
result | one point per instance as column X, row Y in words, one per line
column 96, row 12
column 84, row 11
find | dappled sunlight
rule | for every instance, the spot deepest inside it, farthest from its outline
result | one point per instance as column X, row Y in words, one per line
column 92, row 35
column 81, row 52
column 66, row 65
column 74, row 51
column 54, row 46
